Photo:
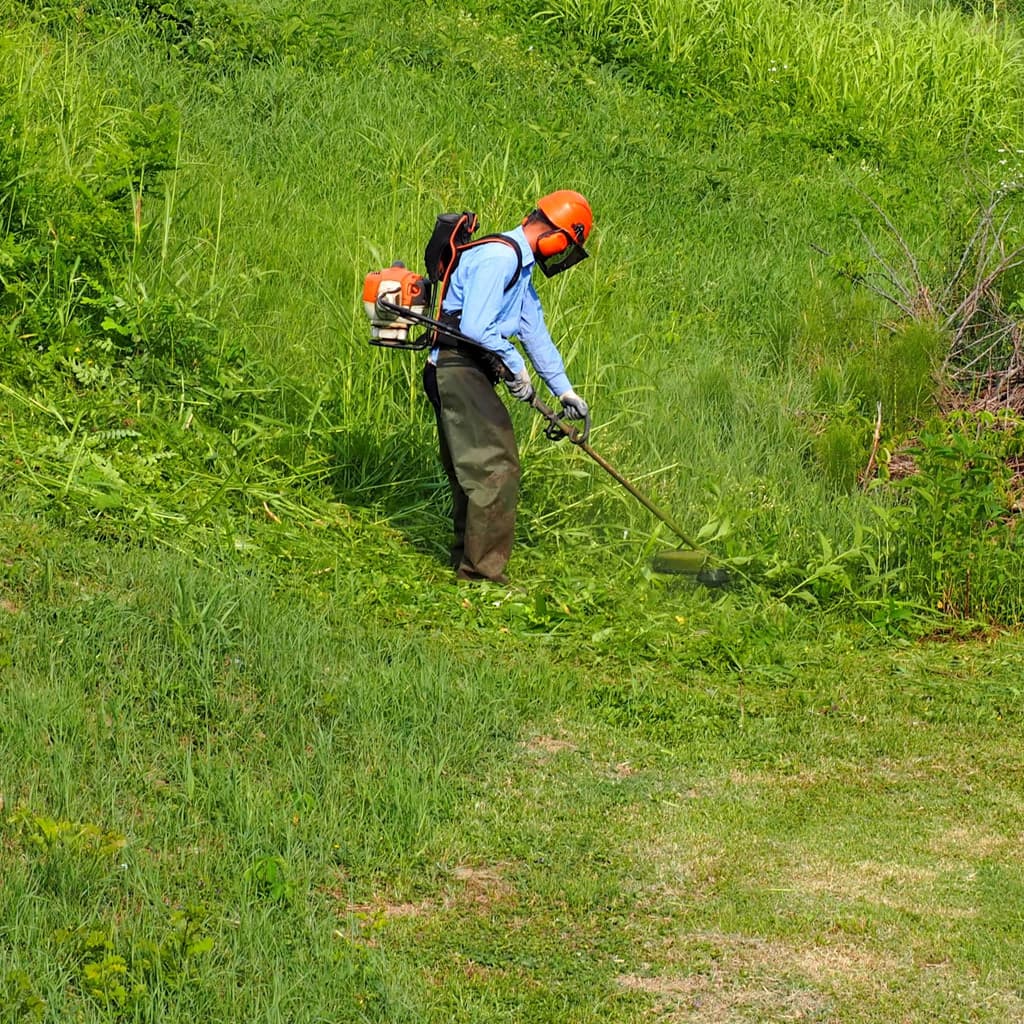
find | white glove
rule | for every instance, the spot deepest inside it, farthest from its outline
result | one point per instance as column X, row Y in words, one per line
column 573, row 406
column 520, row 386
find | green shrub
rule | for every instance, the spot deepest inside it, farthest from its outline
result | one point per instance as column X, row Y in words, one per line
column 954, row 532
column 214, row 37
column 898, row 370
column 842, row 450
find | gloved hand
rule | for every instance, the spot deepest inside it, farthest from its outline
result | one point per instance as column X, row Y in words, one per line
column 521, row 386
column 573, row 406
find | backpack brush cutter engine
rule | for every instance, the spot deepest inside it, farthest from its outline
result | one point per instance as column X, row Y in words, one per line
column 395, row 300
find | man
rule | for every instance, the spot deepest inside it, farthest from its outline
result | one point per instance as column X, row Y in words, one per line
column 490, row 298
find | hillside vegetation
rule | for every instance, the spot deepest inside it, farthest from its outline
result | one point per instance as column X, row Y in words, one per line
column 195, row 195
column 262, row 759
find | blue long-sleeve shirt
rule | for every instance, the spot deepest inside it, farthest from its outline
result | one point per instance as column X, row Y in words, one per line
column 491, row 315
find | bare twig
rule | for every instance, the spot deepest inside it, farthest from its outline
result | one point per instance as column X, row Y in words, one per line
column 986, row 346
column 984, row 287
column 911, row 259
column 890, row 274
column 869, row 470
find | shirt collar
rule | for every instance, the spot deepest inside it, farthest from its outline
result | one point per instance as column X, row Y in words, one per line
column 518, row 235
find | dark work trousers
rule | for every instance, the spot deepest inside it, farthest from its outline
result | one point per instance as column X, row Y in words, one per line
column 481, row 460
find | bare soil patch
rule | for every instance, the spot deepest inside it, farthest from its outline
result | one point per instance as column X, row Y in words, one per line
column 742, row 978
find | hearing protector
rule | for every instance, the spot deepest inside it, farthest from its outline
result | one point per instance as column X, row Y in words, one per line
column 553, row 243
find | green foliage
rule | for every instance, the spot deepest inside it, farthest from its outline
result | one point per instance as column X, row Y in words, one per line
column 944, row 543
column 121, row 974
column 227, row 632
column 955, row 533
column 130, row 409
column 67, row 856
column 19, row 1000
column 72, row 230
column 211, row 36
column 46, row 835
column 846, row 577
column 858, row 362
column 886, row 380
column 900, row 371
column 841, row 449
column 269, row 878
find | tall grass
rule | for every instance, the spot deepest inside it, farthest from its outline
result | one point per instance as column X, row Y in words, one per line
column 692, row 331
column 874, row 69
column 366, row 725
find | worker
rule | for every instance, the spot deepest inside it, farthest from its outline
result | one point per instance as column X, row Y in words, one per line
column 490, row 298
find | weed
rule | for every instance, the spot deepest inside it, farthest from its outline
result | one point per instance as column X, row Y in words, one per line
column 842, row 451
column 122, row 975
column 19, row 1000
column 69, row 857
column 269, row 878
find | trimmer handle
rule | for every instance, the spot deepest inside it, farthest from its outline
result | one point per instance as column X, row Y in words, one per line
column 557, row 428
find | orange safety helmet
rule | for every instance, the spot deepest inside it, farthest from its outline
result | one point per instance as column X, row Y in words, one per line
column 571, row 219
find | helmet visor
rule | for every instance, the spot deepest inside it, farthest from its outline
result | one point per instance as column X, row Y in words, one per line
column 572, row 254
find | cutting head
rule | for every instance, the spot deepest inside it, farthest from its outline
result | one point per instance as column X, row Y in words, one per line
column 683, row 562
column 690, row 562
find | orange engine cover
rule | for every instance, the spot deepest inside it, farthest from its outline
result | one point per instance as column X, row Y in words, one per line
column 399, row 286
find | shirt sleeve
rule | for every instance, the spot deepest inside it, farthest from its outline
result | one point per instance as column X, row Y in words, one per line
column 536, row 340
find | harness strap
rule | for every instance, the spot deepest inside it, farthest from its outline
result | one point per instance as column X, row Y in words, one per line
column 506, row 241
column 470, row 245
column 489, row 364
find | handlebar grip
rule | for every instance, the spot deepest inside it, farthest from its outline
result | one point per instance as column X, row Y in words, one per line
column 558, row 428
column 586, row 430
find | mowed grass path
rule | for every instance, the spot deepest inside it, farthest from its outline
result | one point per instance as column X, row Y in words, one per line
column 854, row 855
column 227, row 801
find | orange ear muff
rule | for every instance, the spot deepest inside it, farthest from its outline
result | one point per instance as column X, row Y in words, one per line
column 553, row 243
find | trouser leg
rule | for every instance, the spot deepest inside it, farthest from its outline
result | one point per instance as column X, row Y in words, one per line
column 476, row 428
column 459, row 499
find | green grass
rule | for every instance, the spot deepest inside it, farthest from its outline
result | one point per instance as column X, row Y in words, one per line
column 698, row 331
column 261, row 759
column 298, row 809
column 861, row 75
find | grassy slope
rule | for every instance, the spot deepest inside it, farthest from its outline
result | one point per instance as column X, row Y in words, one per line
column 699, row 330
column 643, row 797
